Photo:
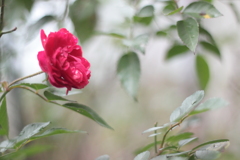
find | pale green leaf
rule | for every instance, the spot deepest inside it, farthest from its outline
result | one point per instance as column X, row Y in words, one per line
column 207, row 154
column 35, row 86
column 188, row 32
column 186, row 141
column 103, row 157
column 52, row 97
column 201, row 9
column 176, row 138
column 128, row 71
column 220, row 142
column 143, row 156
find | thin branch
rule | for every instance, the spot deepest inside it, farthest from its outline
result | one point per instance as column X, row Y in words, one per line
column 2, row 15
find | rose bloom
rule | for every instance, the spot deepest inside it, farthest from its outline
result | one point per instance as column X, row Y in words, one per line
column 62, row 60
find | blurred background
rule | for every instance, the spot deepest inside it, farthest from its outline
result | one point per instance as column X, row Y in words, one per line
column 164, row 84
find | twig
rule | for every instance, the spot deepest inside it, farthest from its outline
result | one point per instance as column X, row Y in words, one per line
column 1, row 16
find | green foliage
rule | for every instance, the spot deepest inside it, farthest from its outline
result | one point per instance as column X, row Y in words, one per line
column 201, row 9
column 3, row 118
column 53, row 97
column 144, row 15
column 188, row 31
column 212, row 48
column 203, row 72
column 128, row 71
column 35, row 86
column 176, row 50
column 143, row 156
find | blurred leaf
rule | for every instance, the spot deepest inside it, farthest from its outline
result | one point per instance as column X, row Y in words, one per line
column 207, row 34
column 210, row 104
column 26, row 152
column 176, row 138
column 177, row 154
column 36, row 26
column 35, row 86
column 202, row 71
column 103, row 157
column 176, row 50
column 138, row 43
column 207, row 154
column 171, row 9
column 188, row 32
column 162, row 157
column 143, row 156
column 24, row 136
column 212, row 48
column 186, row 141
column 217, row 142
column 54, row 131
column 88, row 112
column 26, row 3
column 153, row 129
column 235, row 11
column 201, row 9
column 145, row 15
column 83, row 14
column 188, row 104
column 147, row 147
column 3, row 118
column 161, row 33
column 112, row 34
column 175, row 11
column 128, row 71
column 52, row 97
column 155, row 134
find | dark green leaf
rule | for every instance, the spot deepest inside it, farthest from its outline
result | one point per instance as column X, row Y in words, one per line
column 84, row 17
column 188, row 31
column 170, row 7
column 212, row 48
column 222, row 142
column 112, row 34
column 143, row 156
column 3, row 118
column 103, row 157
column 207, row 154
column 176, row 50
column 147, row 147
column 128, row 71
column 207, row 34
column 1, row 89
column 201, row 9
column 203, row 72
column 176, row 138
column 88, row 112
column 186, row 141
column 54, row 131
column 35, row 86
column 187, row 106
column 52, row 97
column 210, row 104
column 145, row 15
column 26, row 4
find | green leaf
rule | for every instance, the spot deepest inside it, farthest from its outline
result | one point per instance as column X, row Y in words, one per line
column 35, row 86
column 155, row 134
column 153, row 129
column 204, row 32
column 26, row 4
column 212, row 48
column 176, row 138
column 201, row 9
column 52, row 97
column 143, row 156
column 84, row 17
column 162, row 157
column 203, row 72
column 26, row 152
column 128, row 71
column 188, row 31
column 170, row 7
column 207, row 154
column 187, row 106
column 103, row 157
column 186, row 141
column 24, row 136
column 210, row 104
column 145, row 15
column 88, row 112
column 220, row 142
column 176, row 50
column 175, row 11
column 112, row 34
column 161, row 33
column 147, row 147
column 138, row 43
column 54, row 131
column 3, row 118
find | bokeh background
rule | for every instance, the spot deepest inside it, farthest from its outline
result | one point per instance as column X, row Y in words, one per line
column 163, row 84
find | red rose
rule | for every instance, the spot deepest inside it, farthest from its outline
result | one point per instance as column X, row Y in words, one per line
column 62, row 60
